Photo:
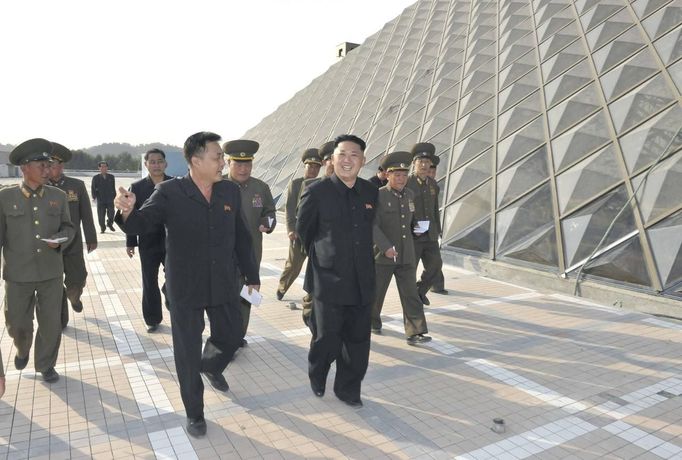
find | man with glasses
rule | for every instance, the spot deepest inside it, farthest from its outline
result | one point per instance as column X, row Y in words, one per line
column 152, row 245
column 75, row 273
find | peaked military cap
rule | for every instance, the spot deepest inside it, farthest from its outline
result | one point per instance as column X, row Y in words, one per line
column 60, row 153
column 397, row 161
column 424, row 150
column 37, row 149
column 311, row 156
column 435, row 160
column 326, row 150
column 241, row 149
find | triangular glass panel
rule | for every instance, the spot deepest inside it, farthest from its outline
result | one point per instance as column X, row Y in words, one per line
column 470, row 123
column 669, row 47
column 558, row 42
column 618, row 50
column 466, row 211
column 473, row 145
column 521, row 177
column 470, row 175
column 554, row 25
column 597, row 15
column 662, row 192
column 474, row 238
column 629, row 74
column 663, row 20
column 622, row 263
column 580, row 140
column 606, row 32
column 645, row 8
column 519, row 144
column 517, row 70
column 666, row 245
column 519, row 90
column 572, row 111
column 640, row 103
column 564, row 60
column 570, row 82
column 519, row 115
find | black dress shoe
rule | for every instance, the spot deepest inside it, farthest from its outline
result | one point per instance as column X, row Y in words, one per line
column 102, row 231
column 376, row 330
column 318, row 390
column 440, row 291
column 417, row 339
column 196, row 426
column 152, row 328
column 243, row 344
column 20, row 363
column 352, row 402
column 111, row 227
column 280, row 295
column 217, row 381
column 77, row 306
column 424, row 299
column 50, row 375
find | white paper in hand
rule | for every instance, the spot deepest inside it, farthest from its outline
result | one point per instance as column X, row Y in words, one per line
column 255, row 298
column 59, row 240
column 270, row 221
column 422, row 227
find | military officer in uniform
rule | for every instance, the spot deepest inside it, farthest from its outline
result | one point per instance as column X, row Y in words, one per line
column 103, row 190
column 335, row 221
column 75, row 273
column 325, row 151
column 379, row 179
column 152, row 245
column 438, row 286
column 35, row 226
column 206, row 241
column 292, row 267
column 257, row 203
column 426, row 209
column 394, row 249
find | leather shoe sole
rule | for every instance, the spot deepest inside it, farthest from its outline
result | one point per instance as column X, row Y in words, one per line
column 20, row 363
column 50, row 375
column 196, row 426
column 217, row 381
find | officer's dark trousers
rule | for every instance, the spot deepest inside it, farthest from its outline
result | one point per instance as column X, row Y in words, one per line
column 429, row 253
column 103, row 208
column 75, row 275
column 150, row 261
column 342, row 334
column 438, row 282
column 43, row 297
column 292, row 267
column 413, row 309
column 187, row 327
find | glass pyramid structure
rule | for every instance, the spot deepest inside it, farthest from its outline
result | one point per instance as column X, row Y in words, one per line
column 555, row 120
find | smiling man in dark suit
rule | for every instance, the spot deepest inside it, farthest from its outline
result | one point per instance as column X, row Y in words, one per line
column 334, row 222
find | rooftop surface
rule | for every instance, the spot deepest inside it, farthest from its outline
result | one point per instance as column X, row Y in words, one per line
column 570, row 378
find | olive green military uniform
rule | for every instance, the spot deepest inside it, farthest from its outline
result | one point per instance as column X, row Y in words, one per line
column 32, row 270
column 393, row 229
column 258, row 207
column 75, row 273
column 294, row 262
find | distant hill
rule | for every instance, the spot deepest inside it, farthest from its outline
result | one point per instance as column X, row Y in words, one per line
column 117, row 148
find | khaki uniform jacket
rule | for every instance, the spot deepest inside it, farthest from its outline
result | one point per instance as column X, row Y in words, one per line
column 426, row 205
column 257, row 206
column 293, row 197
column 26, row 216
column 393, row 226
column 80, row 210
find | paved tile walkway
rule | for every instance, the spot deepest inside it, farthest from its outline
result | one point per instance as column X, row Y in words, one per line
column 570, row 378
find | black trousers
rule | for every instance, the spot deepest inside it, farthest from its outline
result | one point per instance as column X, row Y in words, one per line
column 429, row 253
column 107, row 208
column 341, row 333
column 150, row 261
column 187, row 327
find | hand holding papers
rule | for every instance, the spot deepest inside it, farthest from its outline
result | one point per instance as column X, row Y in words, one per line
column 255, row 298
column 59, row 240
column 421, row 227
column 270, row 221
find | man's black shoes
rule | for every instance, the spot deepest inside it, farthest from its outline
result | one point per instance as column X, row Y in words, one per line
column 111, row 227
column 318, row 390
column 218, row 382
column 417, row 339
column 243, row 344
column 77, row 306
column 20, row 363
column 352, row 402
column 50, row 375
column 196, row 426
column 152, row 327
column 280, row 295
column 424, row 299
column 440, row 291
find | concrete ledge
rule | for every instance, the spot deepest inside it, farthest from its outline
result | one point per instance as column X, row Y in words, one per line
column 605, row 294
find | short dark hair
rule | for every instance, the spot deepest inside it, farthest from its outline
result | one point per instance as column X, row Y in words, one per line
column 196, row 143
column 150, row 151
column 350, row 138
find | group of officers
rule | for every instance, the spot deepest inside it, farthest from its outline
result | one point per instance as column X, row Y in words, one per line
column 206, row 229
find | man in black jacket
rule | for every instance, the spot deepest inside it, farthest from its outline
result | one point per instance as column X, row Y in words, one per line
column 205, row 233
column 334, row 222
column 153, row 244
column 103, row 190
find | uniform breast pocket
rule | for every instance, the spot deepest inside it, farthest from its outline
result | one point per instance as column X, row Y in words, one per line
column 54, row 210
column 14, row 212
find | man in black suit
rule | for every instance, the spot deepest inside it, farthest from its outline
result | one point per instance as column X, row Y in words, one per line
column 153, row 244
column 334, row 221
column 205, row 233
column 103, row 190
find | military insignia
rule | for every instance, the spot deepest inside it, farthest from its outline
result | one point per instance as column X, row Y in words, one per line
column 433, row 191
column 410, row 205
column 14, row 206
column 389, row 204
column 54, row 204
column 257, row 201
column 71, row 195
column 368, row 206
column 227, row 208
column 242, row 154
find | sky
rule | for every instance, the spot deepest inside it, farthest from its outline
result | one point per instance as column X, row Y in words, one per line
column 83, row 73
